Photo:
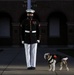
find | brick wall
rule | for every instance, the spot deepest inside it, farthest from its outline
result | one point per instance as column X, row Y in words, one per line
column 43, row 8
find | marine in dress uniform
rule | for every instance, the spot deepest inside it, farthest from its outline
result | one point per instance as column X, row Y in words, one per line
column 30, row 38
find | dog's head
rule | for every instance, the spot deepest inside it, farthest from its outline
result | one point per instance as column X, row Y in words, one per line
column 47, row 56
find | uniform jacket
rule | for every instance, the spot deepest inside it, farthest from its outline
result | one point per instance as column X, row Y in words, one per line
column 30, row 31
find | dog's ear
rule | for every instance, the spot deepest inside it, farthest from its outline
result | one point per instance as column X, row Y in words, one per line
column 46, row 55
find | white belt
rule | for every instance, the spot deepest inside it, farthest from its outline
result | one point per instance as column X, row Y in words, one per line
column 26, row 31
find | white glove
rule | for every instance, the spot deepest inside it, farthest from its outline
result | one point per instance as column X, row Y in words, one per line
column 22, row 42
column 38, row 41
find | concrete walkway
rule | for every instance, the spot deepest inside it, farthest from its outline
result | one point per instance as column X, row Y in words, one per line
column 12, row 62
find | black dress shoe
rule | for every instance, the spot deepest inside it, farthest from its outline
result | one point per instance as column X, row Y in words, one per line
column 33, row 68
column 29, row 68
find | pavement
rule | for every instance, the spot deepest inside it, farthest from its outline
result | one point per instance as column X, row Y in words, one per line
column 12, row 62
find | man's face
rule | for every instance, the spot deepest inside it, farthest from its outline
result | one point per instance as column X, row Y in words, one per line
column 29, row 14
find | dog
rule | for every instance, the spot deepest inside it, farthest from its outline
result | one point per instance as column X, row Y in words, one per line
column 53, row 59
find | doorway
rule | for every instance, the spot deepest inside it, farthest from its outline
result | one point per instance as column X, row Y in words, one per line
column 5, row 29
column 57, row 29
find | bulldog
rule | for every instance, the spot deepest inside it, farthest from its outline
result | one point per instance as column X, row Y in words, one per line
column 53, row 59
